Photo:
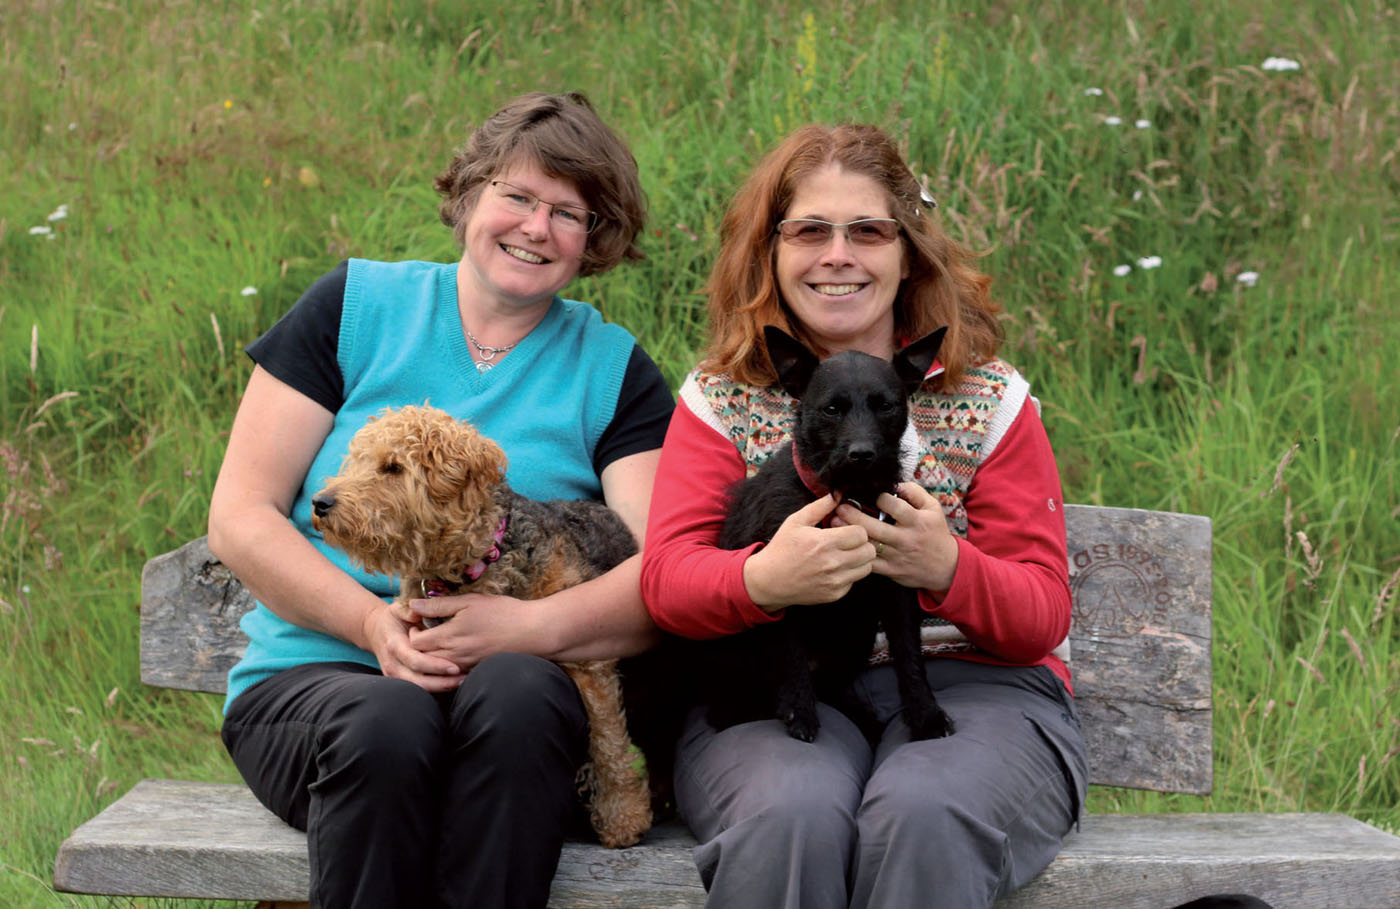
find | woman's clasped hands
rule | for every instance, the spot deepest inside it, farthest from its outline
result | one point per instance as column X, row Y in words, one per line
column 811, row 560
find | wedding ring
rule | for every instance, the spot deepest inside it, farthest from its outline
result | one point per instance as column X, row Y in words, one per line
column 879, row 550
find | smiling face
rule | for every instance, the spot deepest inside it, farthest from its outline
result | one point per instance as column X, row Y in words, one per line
column 842, row 293
column 515, row 261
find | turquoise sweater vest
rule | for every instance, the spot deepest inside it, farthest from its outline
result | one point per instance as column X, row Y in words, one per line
column 546, row 403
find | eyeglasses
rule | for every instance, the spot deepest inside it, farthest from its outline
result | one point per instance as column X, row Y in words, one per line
column 815, row 232
column 563, row 216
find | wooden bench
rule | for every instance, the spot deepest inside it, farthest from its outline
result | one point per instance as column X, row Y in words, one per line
column 1141, row 659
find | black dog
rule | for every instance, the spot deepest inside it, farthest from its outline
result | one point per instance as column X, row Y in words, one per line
column 852, row 413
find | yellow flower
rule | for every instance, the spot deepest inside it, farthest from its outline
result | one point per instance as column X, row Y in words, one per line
column 228, row 103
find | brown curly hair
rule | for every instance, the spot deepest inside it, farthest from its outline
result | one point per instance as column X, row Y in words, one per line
column 564, row 136
column 943, row 287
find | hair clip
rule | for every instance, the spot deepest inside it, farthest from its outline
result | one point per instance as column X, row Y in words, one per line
column 927, row 198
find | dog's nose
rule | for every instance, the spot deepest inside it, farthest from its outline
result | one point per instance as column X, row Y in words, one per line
column 861, row 454
column 322, row 503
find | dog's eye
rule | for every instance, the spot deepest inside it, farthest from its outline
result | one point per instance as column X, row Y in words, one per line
column 391, row 467
column 888, row 406
column 831, row 410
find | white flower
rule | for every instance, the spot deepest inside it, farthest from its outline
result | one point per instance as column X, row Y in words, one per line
column 43, row 230
column 1093, row 92
column 1137, row 194
column 249, row 291
column 1122, row 270
column 1112, row 120
column 1247, row 278
column 1279, row 64
column 1149, row 262
column 58, row 214
column 1142, row 124
column 72, row 126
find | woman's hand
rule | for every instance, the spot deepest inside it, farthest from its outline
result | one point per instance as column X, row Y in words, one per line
column 475, row 626
column 388, row 637
column 917, row 550
column 806, row 563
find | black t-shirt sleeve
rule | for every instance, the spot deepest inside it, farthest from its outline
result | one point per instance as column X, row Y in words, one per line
column 644, row 408
column 301, row 348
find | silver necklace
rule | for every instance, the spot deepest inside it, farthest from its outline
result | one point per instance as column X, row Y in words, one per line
column 487, row 353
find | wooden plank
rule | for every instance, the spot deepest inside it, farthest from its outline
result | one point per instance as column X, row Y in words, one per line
column 182, row 839
column 1141, row 645
column 1140, row 640
column 170, row 838
column 1149, row 861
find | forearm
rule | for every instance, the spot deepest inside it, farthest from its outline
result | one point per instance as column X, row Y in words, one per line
column 599, row 619
column 1010, row 593
column 1017, row 611
column 288, row 575
column 691, row 586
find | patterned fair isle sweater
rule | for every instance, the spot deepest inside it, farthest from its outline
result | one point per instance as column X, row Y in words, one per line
column 975, row 447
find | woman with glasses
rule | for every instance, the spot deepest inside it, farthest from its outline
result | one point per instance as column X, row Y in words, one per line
column 436, row 766
column 832, row 240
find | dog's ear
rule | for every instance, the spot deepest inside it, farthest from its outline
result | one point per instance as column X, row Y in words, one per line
column 793, row 362
column 913, row 362
column 458, row 461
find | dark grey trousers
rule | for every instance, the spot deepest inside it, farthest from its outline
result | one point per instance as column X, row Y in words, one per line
column 414, row 800
column 953, row 822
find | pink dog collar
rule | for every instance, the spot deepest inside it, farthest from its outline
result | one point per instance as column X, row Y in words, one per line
column 437, row 588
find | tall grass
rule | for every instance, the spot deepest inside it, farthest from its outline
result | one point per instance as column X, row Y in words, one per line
column 204, row 148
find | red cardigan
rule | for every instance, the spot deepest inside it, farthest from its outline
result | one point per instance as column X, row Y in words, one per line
column 1009, row 597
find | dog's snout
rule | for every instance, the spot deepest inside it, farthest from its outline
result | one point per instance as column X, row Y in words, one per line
column 322, row 503
column 861, row 454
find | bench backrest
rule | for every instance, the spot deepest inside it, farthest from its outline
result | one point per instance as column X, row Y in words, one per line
column 1140, row 641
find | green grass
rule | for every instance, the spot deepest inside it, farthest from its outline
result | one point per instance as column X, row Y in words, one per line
column 205, row 147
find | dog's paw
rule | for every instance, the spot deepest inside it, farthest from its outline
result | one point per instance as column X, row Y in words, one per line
column 930, row 724
column 802, row 725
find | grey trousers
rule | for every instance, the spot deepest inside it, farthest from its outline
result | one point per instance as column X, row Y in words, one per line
column 953, row 822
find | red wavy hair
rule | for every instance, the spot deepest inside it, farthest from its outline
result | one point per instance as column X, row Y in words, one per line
column 943, row 288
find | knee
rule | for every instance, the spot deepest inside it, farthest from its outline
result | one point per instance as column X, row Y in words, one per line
column 513, row 697
column 389, row 729
column 923, row 810
column 807, row 818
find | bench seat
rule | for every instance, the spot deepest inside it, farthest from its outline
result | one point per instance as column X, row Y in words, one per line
column 213, row 840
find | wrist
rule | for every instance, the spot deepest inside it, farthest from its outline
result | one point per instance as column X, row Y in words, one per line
column 368, row 617
column 755, row 584
column 947, row 570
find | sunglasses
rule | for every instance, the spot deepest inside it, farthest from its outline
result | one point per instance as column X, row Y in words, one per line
column 815, row 232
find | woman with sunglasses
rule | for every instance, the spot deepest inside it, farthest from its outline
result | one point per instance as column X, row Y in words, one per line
column 832, row 240
column 436, row 766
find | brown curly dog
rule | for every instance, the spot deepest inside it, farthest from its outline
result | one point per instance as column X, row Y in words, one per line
column 423, row 495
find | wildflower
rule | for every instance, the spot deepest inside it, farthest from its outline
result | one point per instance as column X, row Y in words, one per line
column 228, row 103
column 58, row 214
column 1149, row 262
column 43, row 230
column 1279, row 65
column 1247, row 278
column 1093, row 92
column 249, row 291
column 72, row 126
column 1142, row 124
column 1112, row 120
column 1122, row 270
column 1137, row 194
